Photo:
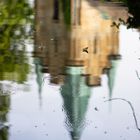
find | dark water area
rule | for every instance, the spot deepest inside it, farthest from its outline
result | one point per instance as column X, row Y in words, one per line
column 69, row 70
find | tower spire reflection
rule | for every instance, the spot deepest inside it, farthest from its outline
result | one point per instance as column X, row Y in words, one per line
column 111, row 76
column 39, row 77
column 75, row 95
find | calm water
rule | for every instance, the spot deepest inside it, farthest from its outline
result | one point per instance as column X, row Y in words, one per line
column 57, row 71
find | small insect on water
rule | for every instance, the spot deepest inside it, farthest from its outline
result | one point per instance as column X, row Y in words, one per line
column 85, row 49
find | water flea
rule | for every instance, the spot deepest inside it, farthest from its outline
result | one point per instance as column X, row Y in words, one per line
column 96, row 109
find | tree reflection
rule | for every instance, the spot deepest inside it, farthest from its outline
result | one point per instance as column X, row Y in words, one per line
column 66, row 7
column 4, row 108
column 15, row 27
column 133, row 20
column 13, row 17
column 13, row 66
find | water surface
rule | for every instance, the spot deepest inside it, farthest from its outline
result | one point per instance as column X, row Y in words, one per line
column 58, row 68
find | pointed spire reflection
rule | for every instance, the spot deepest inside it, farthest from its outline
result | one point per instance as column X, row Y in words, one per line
column 76, row 95
column 39, row 77
column 111, row 76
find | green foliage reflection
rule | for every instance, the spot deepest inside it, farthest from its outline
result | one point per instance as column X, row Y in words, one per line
column 133, row 20
column 66, row 11
column 16, row 18
column 13, row 17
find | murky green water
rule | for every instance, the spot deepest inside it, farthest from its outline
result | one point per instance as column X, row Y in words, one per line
column 59, row 68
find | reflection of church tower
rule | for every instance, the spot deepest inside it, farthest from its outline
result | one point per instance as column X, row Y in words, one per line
column 4, row 107
column 75, row 94
column 111, row 73
column 39, row 77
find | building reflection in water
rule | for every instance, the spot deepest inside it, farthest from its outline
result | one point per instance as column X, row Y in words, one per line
column 59, row 45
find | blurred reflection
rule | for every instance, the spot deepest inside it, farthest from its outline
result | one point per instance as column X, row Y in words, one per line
column 15, row 29
column 14, row 18
column 111, row 76
column 13, row 65
column 133, row 7
column 56, row 10
column 66, row 8
column 4, row 108
column 49, row 36
column 75, row 94
column 133, row 20
column 39, row 77
column 75, row 44
column 58, row 46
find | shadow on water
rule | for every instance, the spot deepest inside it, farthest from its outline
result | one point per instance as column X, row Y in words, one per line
column 74, row 43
